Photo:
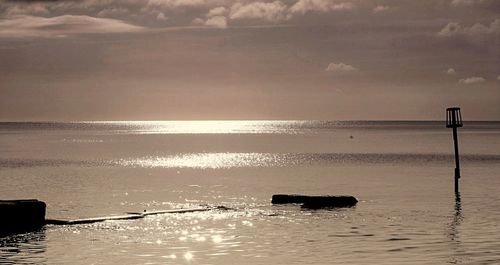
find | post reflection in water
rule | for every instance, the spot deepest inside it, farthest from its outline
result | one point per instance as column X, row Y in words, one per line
column 457, row 218
column 454, row 233
column 27, row 248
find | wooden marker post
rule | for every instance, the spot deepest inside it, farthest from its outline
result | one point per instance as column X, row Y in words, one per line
column 454, row 120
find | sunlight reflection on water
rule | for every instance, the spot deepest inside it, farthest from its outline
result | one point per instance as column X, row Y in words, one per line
column 207, row 160
column 238, row 160
column 208, row 127
column 175, row 238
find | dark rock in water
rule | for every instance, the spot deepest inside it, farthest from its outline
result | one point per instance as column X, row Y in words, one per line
column 17, row 216
column 320, row 202
column 315, row 202
column 288, row 198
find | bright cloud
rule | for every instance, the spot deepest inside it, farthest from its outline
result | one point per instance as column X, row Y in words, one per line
column 215, row 18
column 30, row 26
column 472, row 80
column 176, row 3
column 304, row 6
column 340, row 67
column 451, row 71
column 161, row 16
column 274, row 11
column 217, row 11
column 216, row 22
column 478, row 29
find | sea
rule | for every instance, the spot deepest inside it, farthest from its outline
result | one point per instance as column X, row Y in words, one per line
column 401, row 172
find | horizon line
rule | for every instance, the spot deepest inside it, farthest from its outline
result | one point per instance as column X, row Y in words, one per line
column 228, row 120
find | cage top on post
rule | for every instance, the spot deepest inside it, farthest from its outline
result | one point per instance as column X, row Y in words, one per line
column 453, row 117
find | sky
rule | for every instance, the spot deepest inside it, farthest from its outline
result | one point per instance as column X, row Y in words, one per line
column 74, row 60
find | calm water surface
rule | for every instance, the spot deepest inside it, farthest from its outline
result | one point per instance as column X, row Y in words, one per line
column 402, row 173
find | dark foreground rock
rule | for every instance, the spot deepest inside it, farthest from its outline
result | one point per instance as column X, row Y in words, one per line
column 315, row 202
column 17, row 216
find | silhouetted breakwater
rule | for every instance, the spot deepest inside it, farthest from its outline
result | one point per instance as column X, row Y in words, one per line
column 19, row 216
column 315, row 202
column 128, row 216
column 29, row 215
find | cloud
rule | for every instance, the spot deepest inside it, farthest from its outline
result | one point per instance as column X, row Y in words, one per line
column 198, row 22
column 274, row 11
column 213, row 22
column 304, row 6
column 170, row 4
column 340, row 68
column 468, row 3
column 216, row 22
column 451, row 71
column 450, row 29
column 498, row 77
column 463, row 2
column 180, row 13
column 31, row 26
column 161, row 16
column 379, row 9
column 476, row 30
column 113, row 12
column 20, row 9
column 278, row 11
column 342, row 6
column 472, row 80
column 215, row 18
column 217, row 11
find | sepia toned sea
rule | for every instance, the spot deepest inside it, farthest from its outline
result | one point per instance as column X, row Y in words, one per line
column 400, row 171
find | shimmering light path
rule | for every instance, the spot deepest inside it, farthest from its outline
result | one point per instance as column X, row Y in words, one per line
column 238, row 160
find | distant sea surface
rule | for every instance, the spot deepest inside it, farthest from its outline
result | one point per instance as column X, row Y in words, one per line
column 400, row 171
